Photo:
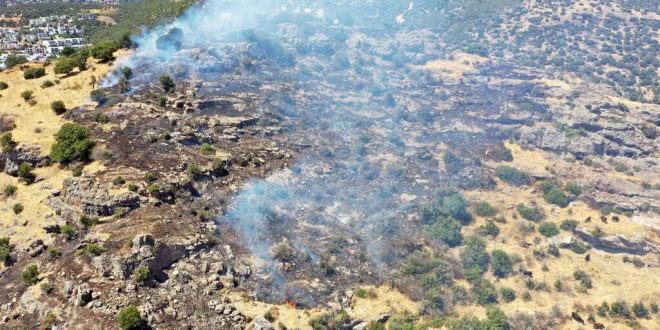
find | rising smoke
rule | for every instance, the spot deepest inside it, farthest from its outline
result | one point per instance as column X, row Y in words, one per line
column 354, row 102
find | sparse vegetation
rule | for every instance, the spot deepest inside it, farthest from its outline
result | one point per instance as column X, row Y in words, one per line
column 129, row 318
column 31, row 274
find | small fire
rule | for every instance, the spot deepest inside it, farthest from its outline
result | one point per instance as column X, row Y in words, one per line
column 291, row 303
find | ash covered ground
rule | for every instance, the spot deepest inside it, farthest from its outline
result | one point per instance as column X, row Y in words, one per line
column 336, row 140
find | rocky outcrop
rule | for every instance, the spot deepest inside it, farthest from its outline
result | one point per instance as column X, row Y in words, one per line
column 93, row 199
column 10, row 161
column 618, row 243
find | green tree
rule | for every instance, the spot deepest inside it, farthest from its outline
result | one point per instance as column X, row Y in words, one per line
column 34, row 73
column 167, row 83
column 72, row 142
column 129, row 318
column 447, row 229
column 496, row 319
column 104, row 50
column 501, row 263
column 127, row 72
column 67, row 51
column 65, row 65
column 474, row 255
column 58, row 107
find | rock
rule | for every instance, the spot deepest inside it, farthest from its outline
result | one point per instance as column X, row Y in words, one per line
column 618, row 243
column 82, row 295
column 563, row 241
column 260, row 323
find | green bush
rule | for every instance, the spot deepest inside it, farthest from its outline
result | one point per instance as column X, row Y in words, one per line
column 47, row 84
column 545, row 186
column 448, row 203
column 141, row 274
column 460, row 295
column 583, row 278
column 553, row 250
column 453, row 164
column 34, row 73
column 129, row 318
column 447, row 230
column 548, row 229
column 531, row 213
column 508, row 294
column 67, row 230
column 574, row 189
column 568, row 225
column 603, row 309
column 65, row 65
column 88, row 221
column 207, row 150
column 72, row 142
column 556, row 197
column 17, row 208
column 501, row 264
column 58, row 107
column 54, row 253
column 512, row 175
column 27, row 95
column 496, row 319
column 94, row 249
column 640, row 310
column 3, row 85
column 484, row 209
column 484, row 293
column 620, row 309
column 9, row 190
column 31, row 274
column 167, row 83
column 194, row 170
column 25, row 173
column 220, row 167
column 474, row 255
column 335, row 320
column 489, row 229
column 7, row 142
column 5, row 249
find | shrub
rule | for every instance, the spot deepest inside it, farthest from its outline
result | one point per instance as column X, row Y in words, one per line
column 335, row 320
column 447, row 230
column 101, row 118
column 448, row 203
column 121, row 212
column 7, row 142
column 512, row 175
column 3, row 85
column 72, row 142
column 484, row 293
column 545, row 186
column 141, row 274
column 54, row 253
column 556, row 197
column 459, row 295
column 603, row 309
column 548, row 229
column 579, row 248
column 640, row 310
column 65, row 65
column 619, row 167
column 207, row 150
column 132, row 187
column 220, row 166
column 167, row 83
column 574, row 189
column 129, row 318
column 360, row 293
column 47, row 84
column 88, row 221
column 453, row 163
column 94, row 249
column 46, row 288
column 620, row 309
column 553, row 250
column 31, row 274
column 568, row 225
column 34, row 73
column 489, row 229
column 98, row 96
column 67, row 230
column 194, row 170
column 58, row 107
column 583, row 278
column 531, row 213
column 5, row 249
column 501, row 264
column 118, row 181
column 474, row 255
column 17, row 208
column 26, row 95
column 484, row 209
column 508, row 294
column 9, row 190
column 127, row 72
column 496, row 319
column 25, row 172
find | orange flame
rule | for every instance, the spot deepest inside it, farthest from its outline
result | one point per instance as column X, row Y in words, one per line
column 290, row 303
